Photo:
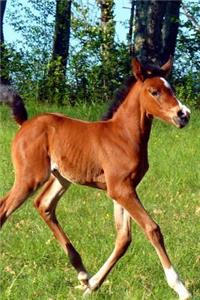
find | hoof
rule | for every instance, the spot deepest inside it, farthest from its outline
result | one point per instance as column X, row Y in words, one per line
column 92, row 286
column 83, row 277
column 186, row 296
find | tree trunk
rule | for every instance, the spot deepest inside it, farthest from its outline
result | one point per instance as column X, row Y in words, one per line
column 170, row 29
column 62, row 32
column 107, row 25
column 4, row 72
column 140, row 29
column 155, row 18
column 107, row 45
column 130, row 33
column 156, row 28
column 55, row 79
column 2, row 8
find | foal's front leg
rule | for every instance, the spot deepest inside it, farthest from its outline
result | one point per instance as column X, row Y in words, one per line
column 127, row 198
column 123, row 240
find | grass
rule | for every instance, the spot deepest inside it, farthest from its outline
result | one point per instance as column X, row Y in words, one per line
column 33, row 266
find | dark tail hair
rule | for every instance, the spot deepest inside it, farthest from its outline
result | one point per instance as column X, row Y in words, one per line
column 9, row 96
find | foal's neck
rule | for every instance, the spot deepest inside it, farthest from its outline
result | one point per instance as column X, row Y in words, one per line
column 133, row 118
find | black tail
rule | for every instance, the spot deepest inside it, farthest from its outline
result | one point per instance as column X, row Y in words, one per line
column 9, row 96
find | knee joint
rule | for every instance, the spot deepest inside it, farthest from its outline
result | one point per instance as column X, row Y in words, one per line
column 120, row 193
column 154, row 234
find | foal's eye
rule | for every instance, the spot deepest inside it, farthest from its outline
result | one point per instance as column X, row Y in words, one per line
column 154, row 93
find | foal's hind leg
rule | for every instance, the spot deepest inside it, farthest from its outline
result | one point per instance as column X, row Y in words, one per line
column 32, row 169
column 18, row 194
column 123, row 240
column 46, row 204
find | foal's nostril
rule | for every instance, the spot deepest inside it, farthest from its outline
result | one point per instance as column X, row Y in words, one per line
column 182, row 118
column 181, row 113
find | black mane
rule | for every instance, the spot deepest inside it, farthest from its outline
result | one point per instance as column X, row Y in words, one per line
column 120, row 95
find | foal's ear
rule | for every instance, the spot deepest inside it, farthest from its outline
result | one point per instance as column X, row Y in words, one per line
column 167, row 67
column 137, row 69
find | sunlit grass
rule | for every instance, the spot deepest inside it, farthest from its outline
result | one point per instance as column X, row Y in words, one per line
column 34, row 267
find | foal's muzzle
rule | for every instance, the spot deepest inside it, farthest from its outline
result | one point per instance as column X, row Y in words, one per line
column 182, row 117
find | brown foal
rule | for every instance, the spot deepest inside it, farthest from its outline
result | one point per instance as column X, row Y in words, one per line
column 53, row 151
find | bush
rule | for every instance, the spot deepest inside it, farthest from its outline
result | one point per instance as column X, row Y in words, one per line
column 188, row 89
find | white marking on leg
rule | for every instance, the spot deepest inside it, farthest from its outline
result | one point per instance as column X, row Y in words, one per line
column 54, row 166
column 175, row 283
column 93, row 284
column 83, row 277
column 55, row 189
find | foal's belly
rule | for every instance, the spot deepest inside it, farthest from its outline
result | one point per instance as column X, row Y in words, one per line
column 91, row 176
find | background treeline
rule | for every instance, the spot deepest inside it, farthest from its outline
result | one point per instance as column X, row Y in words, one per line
column 69, row 51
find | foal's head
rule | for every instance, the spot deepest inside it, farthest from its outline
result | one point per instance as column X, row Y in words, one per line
column 157, row 97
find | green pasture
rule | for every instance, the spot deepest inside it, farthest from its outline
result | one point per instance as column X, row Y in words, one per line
column 33, row 266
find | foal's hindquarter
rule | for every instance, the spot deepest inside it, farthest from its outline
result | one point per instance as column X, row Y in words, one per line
column 55, row 151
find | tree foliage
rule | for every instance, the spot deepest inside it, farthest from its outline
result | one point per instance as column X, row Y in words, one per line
column 29, row 54
column 97, row 62
column 187, row 56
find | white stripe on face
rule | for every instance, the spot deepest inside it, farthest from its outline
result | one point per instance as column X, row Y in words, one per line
column 166, row 83
column 184, row 108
